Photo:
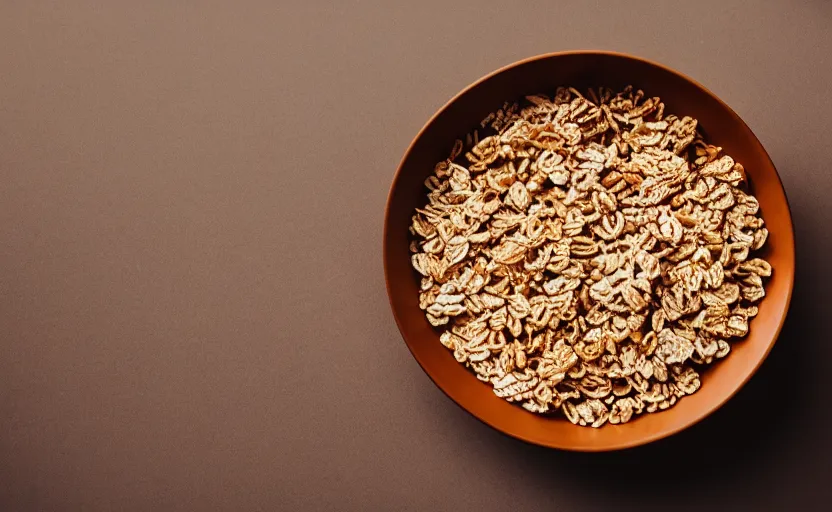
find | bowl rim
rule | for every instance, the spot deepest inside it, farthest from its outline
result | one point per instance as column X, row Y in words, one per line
column 652, row 436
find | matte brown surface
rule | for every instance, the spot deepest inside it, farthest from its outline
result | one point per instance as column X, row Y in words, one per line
column 584, row 70
column 192, row 305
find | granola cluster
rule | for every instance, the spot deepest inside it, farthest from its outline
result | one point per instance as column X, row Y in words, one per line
column 590, row 255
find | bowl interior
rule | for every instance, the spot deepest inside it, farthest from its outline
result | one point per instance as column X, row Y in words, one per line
column 682, row 96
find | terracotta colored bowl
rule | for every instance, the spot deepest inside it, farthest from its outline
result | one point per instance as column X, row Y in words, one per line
column 683, row 96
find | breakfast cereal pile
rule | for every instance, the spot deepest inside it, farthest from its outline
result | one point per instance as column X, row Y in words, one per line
column 589, row 254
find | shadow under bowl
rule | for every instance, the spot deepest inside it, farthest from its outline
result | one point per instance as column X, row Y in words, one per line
column 682, row 96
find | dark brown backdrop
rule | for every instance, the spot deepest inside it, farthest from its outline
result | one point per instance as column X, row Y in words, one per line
column 192, row 310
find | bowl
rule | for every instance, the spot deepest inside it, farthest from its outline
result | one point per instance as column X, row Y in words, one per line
column 683, row 96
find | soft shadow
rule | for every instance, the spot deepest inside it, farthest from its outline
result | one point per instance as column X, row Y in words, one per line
column 732, row 443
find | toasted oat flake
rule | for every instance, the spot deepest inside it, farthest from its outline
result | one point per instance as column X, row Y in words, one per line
column 588, row 255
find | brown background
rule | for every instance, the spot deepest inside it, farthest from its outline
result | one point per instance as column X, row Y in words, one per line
column 192, row 309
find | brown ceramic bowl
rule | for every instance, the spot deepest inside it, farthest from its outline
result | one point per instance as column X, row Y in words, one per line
column 683, row 96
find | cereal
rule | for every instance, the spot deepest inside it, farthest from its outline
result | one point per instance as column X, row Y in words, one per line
column 588, row 255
